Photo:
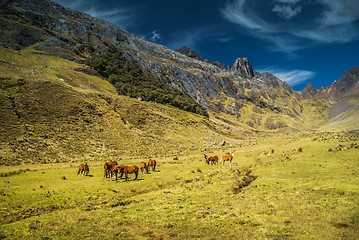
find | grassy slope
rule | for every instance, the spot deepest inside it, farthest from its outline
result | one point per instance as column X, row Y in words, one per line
column 308, row 194
column 347, row 117
column 52, row 113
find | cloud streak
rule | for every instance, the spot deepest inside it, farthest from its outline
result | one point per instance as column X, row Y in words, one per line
column 289, row 24
column 155, row 36
column 120, row 16
column 292, row 77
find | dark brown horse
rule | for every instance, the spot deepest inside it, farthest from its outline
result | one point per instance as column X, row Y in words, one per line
column 117, row 169
column 152, row 163
column 143, row 166
column 227, row 158
column 125, row 170
column 83, row 169
column 212, row 159
column 108, row 167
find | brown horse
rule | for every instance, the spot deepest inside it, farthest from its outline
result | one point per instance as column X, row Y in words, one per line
column 152, row 163
column 126, row 170
column 84, row 169
column 212, row 159
column 108, row 167
column 117, row 169
column 143, row 166
column 227, row 158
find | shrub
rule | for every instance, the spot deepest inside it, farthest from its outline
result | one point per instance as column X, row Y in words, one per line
column 130, row 80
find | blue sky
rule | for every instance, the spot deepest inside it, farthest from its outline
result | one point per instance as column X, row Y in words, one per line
column 299, row 41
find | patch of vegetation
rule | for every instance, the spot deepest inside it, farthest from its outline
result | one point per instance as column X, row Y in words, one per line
column 243, row 179
column 130, row 80
column 8, row 174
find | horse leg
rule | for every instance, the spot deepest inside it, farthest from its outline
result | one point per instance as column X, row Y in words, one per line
column 78, row 172
column 136, row 173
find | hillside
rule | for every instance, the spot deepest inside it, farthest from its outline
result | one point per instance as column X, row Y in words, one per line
column 341, row 101
column 73, row 35
column 51, row 111
column 57, row 108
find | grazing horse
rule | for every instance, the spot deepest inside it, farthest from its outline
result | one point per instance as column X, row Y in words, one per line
column 152, row 163
column 117, row 169
column 125, row 170
column 227, row 158
column 108, row 167
column 143, row 166
column 84, row 169
column 212, row 159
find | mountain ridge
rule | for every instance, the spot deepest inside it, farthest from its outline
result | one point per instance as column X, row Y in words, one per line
column 346, row 85
column 202, row 81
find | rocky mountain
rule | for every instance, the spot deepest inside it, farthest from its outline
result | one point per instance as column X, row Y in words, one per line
column 347, row 85
column 72, row 35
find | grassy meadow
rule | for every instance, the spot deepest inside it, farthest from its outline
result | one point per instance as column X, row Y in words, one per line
column 56, row 114
column 303, row 187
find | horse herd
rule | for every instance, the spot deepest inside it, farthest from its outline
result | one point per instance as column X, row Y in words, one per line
column 214, row 159
column 112, row 167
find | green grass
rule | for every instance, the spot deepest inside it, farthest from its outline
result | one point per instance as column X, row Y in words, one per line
column 302, row 191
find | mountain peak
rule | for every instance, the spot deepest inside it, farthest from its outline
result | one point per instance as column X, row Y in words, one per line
column 309, row 91
column 243, row 67
column 189, row 53
column 348, row 84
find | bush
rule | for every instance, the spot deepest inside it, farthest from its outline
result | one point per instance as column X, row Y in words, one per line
column 130, row 80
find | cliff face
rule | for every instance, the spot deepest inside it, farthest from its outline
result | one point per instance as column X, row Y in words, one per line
column 243, row 67
column 72, row 35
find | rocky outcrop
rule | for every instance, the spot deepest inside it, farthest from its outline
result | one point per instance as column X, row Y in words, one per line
column 189, row 53
column 309, row 91
column 243, row 67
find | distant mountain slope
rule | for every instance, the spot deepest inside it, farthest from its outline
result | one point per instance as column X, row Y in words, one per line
column 347, row 85
column 343, row 95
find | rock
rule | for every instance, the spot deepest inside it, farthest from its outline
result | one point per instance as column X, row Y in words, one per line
column 243, row 67
column 223, row 143
column 189, row 53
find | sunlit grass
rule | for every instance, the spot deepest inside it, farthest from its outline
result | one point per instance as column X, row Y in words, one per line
column 302, row 191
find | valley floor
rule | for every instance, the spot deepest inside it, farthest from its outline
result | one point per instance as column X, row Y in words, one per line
column 304, row 187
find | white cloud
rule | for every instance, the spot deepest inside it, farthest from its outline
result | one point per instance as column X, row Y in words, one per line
column 155, row 36
column 237, row 13
column 120, row 16
column 224, row 39
column 337, row 21
column 292, row 77
column 286, row 11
